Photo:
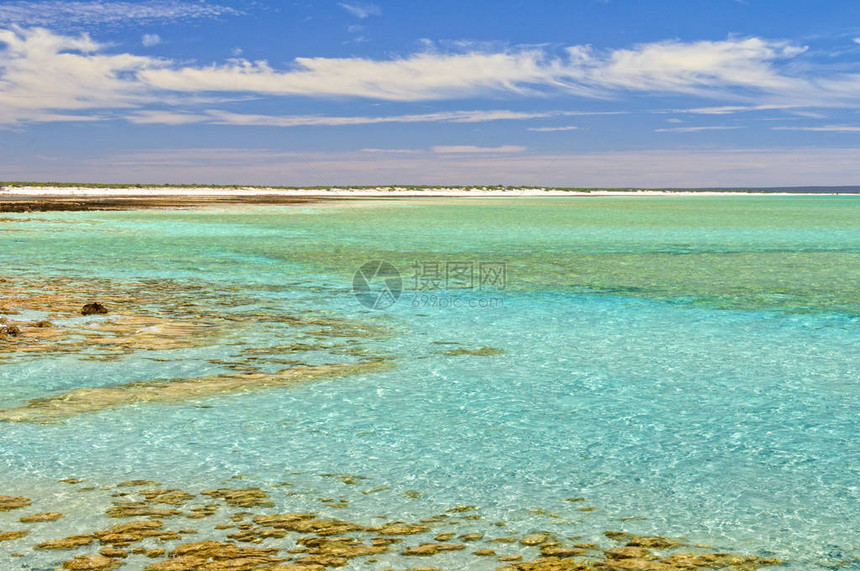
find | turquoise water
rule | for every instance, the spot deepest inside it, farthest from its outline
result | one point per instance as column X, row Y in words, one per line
column 690, row 363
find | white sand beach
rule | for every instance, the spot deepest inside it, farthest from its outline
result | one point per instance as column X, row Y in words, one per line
column 362, row 192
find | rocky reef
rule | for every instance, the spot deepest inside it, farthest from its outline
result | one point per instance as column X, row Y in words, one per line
column 165, row 316
column 253, row 535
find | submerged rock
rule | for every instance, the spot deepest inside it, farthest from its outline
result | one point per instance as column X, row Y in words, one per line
column 40, row 517
column 113, row 552
column 71, row 542
column 10, row 331
column 9, row 503
column 170, row 497
column 12, row 535
column 137, row 509
column 91, row 563
column 482, row 352
column 241, row 498
column 404, row 529
column 535, row 539
column 215, row 556
column 428, row 549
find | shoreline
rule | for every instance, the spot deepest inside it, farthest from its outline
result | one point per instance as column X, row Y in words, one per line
column 73, row 198
column 238, row 192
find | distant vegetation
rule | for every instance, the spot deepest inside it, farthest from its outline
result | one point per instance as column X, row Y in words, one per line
column 419, row 188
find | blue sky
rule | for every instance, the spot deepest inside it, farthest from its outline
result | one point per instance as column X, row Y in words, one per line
column 576, row 93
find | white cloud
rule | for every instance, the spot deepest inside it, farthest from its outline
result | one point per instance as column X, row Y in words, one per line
column 360, row 10
column 470, row 149
column 149, row 40
column 45, row 75
column 551, row 129
column 694, row 129
column 672, row 67
column 391, row 151
column 693, row 67
column 61, row 14
column 154, row 117
column 229, row 118
column 729, row 109
column 822, row 129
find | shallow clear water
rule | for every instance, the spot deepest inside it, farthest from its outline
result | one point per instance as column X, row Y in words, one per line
column 693, row 363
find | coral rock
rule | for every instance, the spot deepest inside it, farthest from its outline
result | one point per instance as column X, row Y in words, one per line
column 40, row 517
column 91, row 563
column 94, row 308
column 9, row 503
column 427, row 549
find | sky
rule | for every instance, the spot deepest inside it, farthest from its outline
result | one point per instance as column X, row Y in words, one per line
column 576, row 93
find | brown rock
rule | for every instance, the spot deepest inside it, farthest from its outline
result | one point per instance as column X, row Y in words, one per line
column 485, row 553
column 170, row 497
column 126, row 533
column 36, row 518
column 10, row 330
column 627, row 552
column 71, row 542
column 9, row 503
column 653, row 541
column 550, row 550
column 113, row 552
column 324, row 560
column 428, row 549
column 445, row 536
column 91, row 563
column 94, row 308
column 511, row 558
column 461, row 509
column 138, row 510
column 618, row 535
column 242, row 498
column 535, row 539
column 12, row 535
column 184, row 563
column 404, row 529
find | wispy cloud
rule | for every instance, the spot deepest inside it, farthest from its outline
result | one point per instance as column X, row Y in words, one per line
column 822, row 129
column 391, row 151
column 729, row 109
column 62, row 15
column 230, row 118
column 44, row 74
column 149, row 40
column 49, row 77
column 695, row 129
column 551, row 129
column 470, row 149
column 361, row 10
column 672, row 67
